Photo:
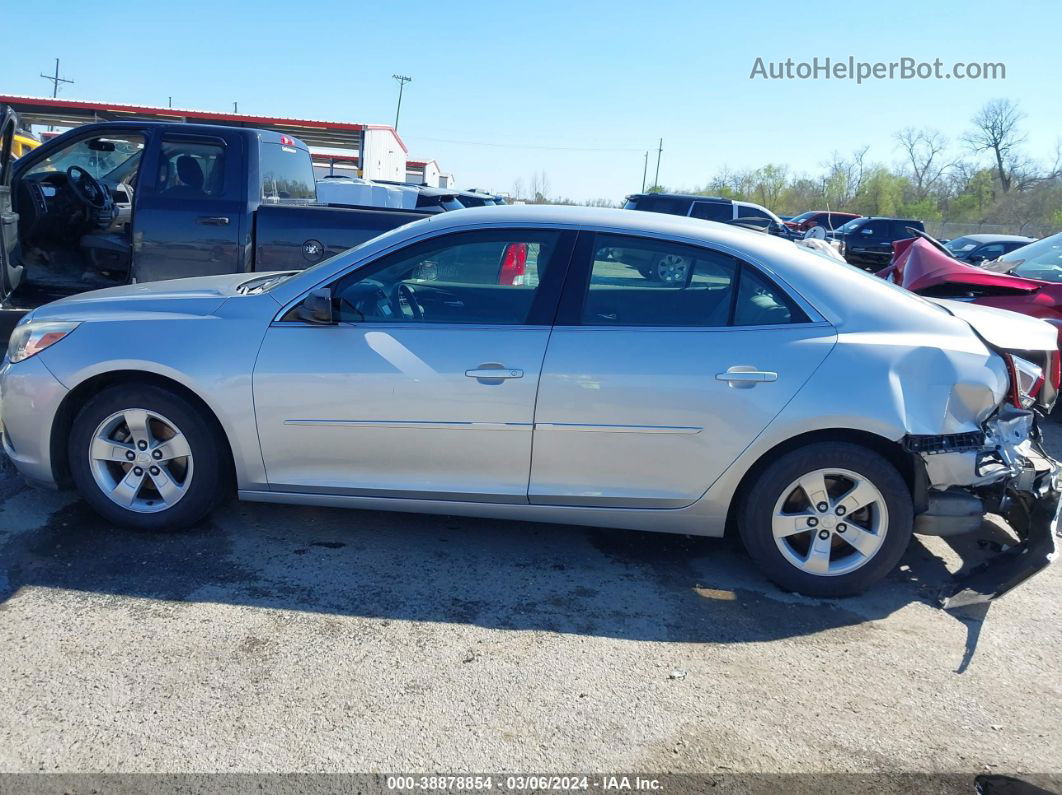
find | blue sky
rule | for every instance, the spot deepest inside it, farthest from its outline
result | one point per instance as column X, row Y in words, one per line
column 502, row 90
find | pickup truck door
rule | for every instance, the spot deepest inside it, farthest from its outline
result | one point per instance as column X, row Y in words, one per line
column 10, row 272
column 425, row 387
column 190, row 206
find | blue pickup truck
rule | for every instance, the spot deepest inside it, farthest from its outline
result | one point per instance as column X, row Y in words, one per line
column 117, row 202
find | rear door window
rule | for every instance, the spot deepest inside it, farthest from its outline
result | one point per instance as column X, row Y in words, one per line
column 660, row 204
column 713, row 211
column 744, row 211
column 656, row 283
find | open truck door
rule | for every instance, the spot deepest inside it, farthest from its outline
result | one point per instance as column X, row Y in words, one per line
column 10, row 273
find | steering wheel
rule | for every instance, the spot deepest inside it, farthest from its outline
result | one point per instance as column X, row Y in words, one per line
column 402, row 290
column 86, row 188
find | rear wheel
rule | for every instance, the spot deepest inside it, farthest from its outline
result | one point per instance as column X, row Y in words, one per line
column 145, row 458
column 829, row 519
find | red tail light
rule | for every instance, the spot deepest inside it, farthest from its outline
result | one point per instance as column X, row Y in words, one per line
column 513, row 265
column 1026, row 381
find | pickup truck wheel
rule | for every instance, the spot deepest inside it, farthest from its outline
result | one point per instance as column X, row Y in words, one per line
column 829, row 519
column 145, row 458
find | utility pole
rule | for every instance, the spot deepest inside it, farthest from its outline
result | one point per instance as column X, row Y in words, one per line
column 645, row 169
column 56, row 80
column 659, row 151
column 402, row 80
column 170, row 102
column 235, row 107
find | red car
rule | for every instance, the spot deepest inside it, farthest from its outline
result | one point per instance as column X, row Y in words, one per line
column 826, row 219
column 1027, row 280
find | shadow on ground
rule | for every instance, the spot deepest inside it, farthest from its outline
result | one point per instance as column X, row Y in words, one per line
column 404, row 567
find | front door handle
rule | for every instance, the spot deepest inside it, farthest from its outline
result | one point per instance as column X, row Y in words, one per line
column 492, row 373
column 213, row 220
column 745, row 377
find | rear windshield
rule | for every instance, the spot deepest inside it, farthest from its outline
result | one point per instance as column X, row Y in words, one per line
column 287, row 174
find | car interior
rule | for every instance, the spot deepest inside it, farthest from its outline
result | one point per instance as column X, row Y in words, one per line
column 75, row 213
column 485, row 281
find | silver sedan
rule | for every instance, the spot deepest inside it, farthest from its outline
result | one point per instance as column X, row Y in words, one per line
column 517, row 362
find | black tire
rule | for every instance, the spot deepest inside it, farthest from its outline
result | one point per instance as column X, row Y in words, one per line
column 209, row 479
column 756, row 510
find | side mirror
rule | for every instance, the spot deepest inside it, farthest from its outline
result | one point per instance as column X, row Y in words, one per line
column 976, row 259
column 316, row 308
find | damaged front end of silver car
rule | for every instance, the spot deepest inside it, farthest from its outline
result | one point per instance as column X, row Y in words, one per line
column 1003, row 469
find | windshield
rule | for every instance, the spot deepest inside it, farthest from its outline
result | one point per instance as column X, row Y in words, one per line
column 851, row 226
column 1040, row 260
column 961, row 245
column 796, row 219
column 98, row 156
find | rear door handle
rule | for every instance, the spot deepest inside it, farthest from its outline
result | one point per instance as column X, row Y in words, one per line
column 491, row 373
column 212, row 220
column 742, row 377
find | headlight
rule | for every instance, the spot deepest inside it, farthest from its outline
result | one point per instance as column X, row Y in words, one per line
column 30, row 339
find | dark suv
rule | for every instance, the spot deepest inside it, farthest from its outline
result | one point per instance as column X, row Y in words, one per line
column 867, row 242
column 709, row 208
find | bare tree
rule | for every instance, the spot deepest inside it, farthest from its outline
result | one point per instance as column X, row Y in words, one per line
column 996, row 131
column 539, row 188
column 844, row 177
column 518, row 188
column 925, row 150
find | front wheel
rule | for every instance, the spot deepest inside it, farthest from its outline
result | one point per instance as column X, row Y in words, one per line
column 145, row 458
column 829, row 519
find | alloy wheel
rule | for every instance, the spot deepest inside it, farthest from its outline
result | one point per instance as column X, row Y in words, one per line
column 830, row 522
column 141, row 461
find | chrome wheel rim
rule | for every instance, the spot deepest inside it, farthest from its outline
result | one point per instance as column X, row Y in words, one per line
column 141, row 461
column 672, row 268
column 830, row 522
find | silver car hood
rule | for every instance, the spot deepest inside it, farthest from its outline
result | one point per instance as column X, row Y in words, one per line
column 197, row 296
column 1002, row 328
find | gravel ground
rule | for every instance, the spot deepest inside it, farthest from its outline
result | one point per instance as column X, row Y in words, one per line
column 294, row 639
